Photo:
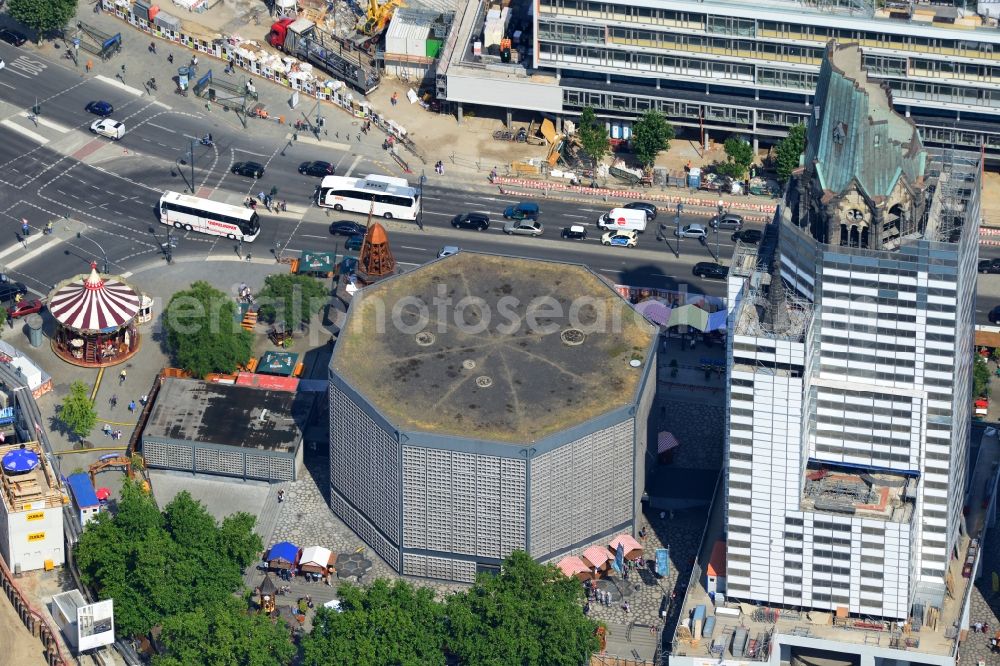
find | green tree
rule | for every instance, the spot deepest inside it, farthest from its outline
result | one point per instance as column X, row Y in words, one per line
column 78, row 411
column 789, row 152
column 157, row 565
column 593, row 135
column 292, row 299
column 529, row 614
column 224, row 633
column 651, row 135
column 202, row 331
column 3, row 316
column 739, row 157
column 980, row 377
column 43, row 16
column 394, row 625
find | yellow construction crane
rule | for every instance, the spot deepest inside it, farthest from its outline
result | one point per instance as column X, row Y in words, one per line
column 377, row 17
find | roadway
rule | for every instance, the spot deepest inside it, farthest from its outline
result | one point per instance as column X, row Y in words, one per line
column 51, row 167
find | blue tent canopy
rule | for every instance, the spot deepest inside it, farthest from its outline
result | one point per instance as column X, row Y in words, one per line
column 283, row 552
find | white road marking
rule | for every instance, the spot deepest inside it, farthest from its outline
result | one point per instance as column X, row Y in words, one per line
column 250, row 152
column 6, row 84
column 121, row 86
column 312, row 236
column 432, row 212
column 28, row 256
column 410, row 247
column 23, row 131
column 353, row 165
column 161, row 127
column 164, row 106
column 581, row 217
column 305, row 137
column 48, row 123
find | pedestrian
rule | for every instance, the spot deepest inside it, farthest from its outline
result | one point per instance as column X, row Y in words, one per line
column 395, row 98
column 284, row 206
column 144, row 399
column 131, row 407
column 152, row 48
column 249, row 257
column 253, row 204
column 123, row 68
column 122, row 376
column 625, row 607
column 194, row 61
column 90, row 64
column 170, row 58
column 113, row 401
column 25, row 229
column 281, row 496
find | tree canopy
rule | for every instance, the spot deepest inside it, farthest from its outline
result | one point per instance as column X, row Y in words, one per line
column 593, row 135
column 739, row 157
column 202, row 332
column 158, row 565
column 651, row 135
column 394, row 625
column 43, row 16
column 77, row 411
column 292, row 299
column 529, row 614
column 980, row 377
column 789, row 151
column 225, row 633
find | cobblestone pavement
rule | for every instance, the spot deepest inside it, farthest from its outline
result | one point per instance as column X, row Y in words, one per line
column 985, row 607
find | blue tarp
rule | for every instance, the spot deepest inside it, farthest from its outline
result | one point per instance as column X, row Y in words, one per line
column 283, row 550
column 83, row 490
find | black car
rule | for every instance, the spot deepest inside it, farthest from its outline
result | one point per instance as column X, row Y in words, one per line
column 100, row 108
column 643, row 205
column 989, row 266
column 12, row 37
column 575, row 231
column 250, row 169
column 477, row 221
column 347, row 228
column 317, row 168
column 9, row 290
column 708, row 269
column 994, row 315
column 748, row 236
column 354, row 243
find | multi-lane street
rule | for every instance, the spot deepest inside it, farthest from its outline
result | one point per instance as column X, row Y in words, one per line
column 53, row 168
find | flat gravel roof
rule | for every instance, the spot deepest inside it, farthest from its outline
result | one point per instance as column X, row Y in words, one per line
column 492, row 347
column 190, row 410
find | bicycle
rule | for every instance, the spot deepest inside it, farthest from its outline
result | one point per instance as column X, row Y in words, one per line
column 503, row 135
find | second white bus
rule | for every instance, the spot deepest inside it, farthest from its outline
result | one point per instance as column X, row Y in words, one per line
column 209, row 217
column 383, row 196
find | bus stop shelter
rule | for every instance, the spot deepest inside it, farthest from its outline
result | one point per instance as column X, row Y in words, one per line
column 99, row 43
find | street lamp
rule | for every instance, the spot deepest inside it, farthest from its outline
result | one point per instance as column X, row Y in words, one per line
column 107, row 269
column 420, row 196
column 677, row 222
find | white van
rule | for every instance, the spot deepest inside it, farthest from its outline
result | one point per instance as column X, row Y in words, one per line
column 623, row 219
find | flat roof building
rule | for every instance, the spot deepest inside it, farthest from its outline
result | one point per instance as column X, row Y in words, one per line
column 226, row 429
column 482, row 404
column 730, row 67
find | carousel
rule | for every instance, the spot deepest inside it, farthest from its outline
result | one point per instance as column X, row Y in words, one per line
column 95, row 320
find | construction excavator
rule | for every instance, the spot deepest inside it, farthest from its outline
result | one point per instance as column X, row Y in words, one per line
column 377, row 17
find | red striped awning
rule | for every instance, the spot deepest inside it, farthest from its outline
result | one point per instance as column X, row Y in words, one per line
column 94, row 303
column 665, row 442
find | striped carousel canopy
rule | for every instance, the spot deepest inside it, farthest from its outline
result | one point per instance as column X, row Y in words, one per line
column 94, row 303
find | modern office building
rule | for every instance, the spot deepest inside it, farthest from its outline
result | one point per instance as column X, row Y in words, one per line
column 482, row 404
column 850, row 381
column 727, row 66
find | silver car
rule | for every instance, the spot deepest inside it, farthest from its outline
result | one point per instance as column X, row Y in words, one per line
column 727, row 221
column 523, row 227
column 691, row 231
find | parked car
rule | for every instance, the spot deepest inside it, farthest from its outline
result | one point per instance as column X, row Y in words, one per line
column 523, row 227
column 989, row 266
column 100, row 108
column 9, row 290
column 347, row 228
column 24, row 308
column 994, row 315
column 354, row 243
column 316, row 168
column 575, row 232
column 526, row 210
column 12, row 37
column 448, row 250
column 645, row 206
column 748, row 236
column 710, row 269
column 623, row 238
column 477, row 221
column 691, row 231
column 249, row 169
column 112, row 129
column 727, row 221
